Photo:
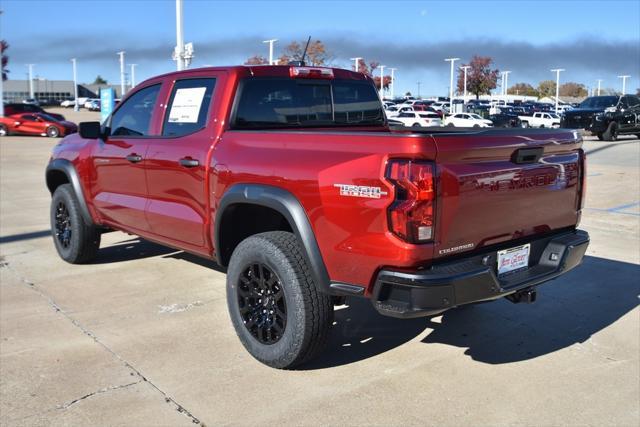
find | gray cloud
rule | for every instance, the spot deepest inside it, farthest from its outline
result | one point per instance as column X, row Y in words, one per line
column 585, row 54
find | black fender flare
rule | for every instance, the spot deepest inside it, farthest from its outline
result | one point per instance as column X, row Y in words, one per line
column 290, row 208
column 66, row 167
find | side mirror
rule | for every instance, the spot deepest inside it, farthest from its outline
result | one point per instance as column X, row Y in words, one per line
column 90, row 130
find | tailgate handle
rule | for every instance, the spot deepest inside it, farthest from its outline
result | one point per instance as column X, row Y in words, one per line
column 527, row 155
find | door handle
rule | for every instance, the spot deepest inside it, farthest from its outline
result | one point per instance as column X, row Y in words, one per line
column 188, row 162
column 134, row 158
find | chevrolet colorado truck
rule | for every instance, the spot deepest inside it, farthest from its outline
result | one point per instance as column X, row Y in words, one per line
column 290, row 177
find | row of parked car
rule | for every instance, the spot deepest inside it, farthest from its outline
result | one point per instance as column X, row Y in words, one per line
column 603, row 116
column 30, row 119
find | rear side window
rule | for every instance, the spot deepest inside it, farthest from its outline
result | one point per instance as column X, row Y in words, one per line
column 278, row 102
column 188, row 106
column 133, row 118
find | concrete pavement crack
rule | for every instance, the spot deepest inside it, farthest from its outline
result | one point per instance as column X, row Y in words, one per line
column 57, row 308
column 102, row 390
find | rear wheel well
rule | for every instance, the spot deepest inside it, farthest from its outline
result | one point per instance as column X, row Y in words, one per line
column 242, row 220
column 56, row 178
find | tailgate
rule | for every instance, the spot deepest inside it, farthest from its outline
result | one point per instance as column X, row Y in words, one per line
column 497, row 186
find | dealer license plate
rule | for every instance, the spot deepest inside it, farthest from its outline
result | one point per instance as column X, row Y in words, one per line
column 513, row 259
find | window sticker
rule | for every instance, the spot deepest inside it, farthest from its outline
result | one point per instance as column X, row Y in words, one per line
column 186, row 105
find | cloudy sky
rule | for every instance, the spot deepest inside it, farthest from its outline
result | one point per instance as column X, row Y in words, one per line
column 590, row 39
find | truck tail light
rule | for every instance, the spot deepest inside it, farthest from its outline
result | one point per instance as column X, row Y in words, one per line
column 311, row 72
column 411, row 216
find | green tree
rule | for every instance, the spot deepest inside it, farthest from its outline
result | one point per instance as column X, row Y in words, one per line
column 99, row 80
column 5, row 59
column 481, row 78
column 546, row 88
column 522, row 89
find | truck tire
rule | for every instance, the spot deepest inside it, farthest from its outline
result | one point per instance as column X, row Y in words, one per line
column 525, row 124
column 416, row 125
column 611, row 134
column 3, row 130
column 76, row 241
column 276, row 309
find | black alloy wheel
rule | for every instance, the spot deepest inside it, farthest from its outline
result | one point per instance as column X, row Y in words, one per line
column 63, row 225
column 262, row 303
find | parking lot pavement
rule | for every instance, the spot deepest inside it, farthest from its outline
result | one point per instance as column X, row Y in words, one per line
column 142, row 336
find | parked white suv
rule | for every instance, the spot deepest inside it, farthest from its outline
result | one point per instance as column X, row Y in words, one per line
column 419, row 118
column 467, row 120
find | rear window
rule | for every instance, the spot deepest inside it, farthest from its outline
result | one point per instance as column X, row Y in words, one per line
column 278, row 102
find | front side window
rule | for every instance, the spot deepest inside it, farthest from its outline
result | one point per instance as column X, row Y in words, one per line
column 133, row 118
column 188, row 106
column 277, row 102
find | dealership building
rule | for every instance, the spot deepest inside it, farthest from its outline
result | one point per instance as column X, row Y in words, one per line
column 53, row 91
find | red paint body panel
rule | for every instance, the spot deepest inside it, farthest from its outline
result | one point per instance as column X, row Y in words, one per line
column 487, row 199
column 482, row 197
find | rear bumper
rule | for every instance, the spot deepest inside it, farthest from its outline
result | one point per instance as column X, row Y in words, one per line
column 473, row 279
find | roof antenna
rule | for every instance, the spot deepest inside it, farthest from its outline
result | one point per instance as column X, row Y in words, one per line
column 304, row 54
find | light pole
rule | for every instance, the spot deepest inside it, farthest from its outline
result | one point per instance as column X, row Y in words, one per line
column 624, row 83
column 356, row 62
column 557, row 71
column 121, row 53
column 464, row 69
column 133, row 75
column 452, row 60
column 393, row 81
column 418, row 83
column 31, row 95
column 382, row 81
column 75, row 85
column 271, row 42
column 178, row 53
column 599, row 81
column 506, row 83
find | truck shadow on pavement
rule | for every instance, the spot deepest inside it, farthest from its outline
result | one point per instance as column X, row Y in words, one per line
column 567, row 312
column 129, row 250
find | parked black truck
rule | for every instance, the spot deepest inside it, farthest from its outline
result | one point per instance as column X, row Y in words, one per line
column 606, row 116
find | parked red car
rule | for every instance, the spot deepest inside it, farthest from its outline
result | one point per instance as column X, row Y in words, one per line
column 35, row 124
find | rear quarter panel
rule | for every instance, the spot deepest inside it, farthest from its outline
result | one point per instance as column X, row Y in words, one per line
column 352, row 232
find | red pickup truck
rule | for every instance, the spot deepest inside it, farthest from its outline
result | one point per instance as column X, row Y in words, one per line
column 290, row 177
